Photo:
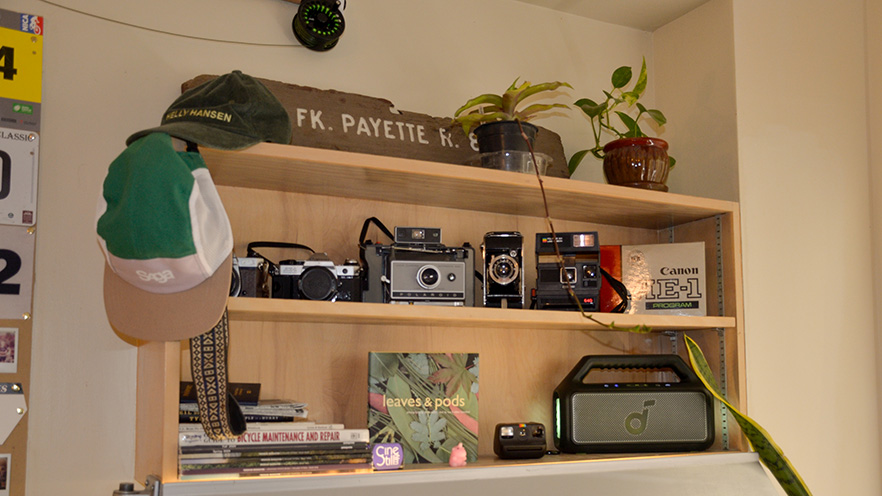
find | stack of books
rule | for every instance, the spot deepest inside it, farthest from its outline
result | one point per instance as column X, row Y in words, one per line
column 273, row 449
column 253, row 408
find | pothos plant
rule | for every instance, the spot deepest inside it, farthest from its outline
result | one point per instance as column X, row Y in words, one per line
column 491, row 107
column 616, row 101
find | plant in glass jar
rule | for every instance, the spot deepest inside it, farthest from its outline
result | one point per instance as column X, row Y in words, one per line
column 498, row 120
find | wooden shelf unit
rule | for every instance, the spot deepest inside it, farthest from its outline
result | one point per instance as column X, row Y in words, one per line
column 317, row 351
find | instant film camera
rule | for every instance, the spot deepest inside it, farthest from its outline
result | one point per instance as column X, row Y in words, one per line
column 417, row 268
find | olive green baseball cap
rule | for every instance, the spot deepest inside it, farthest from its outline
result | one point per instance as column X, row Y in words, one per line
column 231, row 112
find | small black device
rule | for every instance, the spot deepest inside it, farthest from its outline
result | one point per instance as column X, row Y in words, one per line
column 419, row 269
column 318, row 24
column 503, row 269
column 627, row 417
column 521, row 440
column 317, row 278
column 580, row 252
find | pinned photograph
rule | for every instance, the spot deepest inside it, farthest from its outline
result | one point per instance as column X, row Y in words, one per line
column 8, row 354
column 4, row 474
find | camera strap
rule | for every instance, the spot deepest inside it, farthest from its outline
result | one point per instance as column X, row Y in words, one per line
column 219, row 412
column 620, row 290
column 273, row 244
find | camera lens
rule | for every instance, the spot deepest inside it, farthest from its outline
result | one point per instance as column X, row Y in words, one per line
column 428, row 276
column 317, row 283
column 504, row 269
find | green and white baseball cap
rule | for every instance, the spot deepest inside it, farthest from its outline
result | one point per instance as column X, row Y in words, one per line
column 167, row 243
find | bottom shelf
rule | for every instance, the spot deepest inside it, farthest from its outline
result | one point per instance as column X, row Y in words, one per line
column 720, row 473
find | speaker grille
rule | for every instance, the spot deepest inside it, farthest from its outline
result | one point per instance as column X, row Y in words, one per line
column 640, row 417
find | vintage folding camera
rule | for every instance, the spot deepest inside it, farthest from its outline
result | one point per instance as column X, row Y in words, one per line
column 503, row 269
column 317, row 278
column 580, row 270
column 419, row 269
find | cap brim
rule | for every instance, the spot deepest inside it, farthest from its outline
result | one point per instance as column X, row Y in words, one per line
column 200, row 134
column 167, row 317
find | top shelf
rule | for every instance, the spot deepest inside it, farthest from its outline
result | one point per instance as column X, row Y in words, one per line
column 374, row 177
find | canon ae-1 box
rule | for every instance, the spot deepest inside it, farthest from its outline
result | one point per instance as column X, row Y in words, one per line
column 667, row 278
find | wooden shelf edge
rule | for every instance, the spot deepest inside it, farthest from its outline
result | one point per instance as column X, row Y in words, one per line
column 485, row 467
column 326, row 312
column 300, row 169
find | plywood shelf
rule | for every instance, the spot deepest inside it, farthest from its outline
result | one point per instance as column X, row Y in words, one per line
column 316, row 351
column 326, row 312
column 275, row 167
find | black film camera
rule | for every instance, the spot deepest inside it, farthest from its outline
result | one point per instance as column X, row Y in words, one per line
column 418, row 269
column 503, row 269
column 581, row 270
column 317, row 278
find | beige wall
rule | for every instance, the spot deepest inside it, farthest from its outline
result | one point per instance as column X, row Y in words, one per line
column 103, row 80
column 802, row 150
column 874, row 118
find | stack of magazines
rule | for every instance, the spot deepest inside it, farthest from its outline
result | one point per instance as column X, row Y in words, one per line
column 273, row 449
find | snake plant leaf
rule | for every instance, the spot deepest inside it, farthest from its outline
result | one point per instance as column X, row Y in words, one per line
column 769, row 453
column 621, row 77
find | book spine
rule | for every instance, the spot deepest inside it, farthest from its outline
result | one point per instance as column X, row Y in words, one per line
column 270, row 426
column 246, row 393
column 280, row 436
column 222, row 473
column 272, row 449
column 186, row 417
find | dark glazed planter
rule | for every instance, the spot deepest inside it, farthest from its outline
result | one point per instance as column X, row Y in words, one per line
column 637, row 162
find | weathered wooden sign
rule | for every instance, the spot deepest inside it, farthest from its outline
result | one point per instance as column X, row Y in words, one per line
column 336, row 120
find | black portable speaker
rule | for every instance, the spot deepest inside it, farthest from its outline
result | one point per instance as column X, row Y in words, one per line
column 632, row 417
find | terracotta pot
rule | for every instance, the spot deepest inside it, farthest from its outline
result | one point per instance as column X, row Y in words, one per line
column 637, row 162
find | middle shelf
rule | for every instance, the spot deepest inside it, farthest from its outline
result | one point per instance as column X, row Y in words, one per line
column 327, row 312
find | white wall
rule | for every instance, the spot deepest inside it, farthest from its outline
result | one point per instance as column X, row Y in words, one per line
column 695, row 79
column 103, row 80
column 802, row 149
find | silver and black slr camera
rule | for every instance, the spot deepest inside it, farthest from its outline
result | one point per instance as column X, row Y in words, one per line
column 419, row 269
column 580, row 270
column 317, row 278
column 503, row 269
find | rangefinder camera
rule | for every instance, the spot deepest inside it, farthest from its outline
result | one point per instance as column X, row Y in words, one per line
column 419, row 269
